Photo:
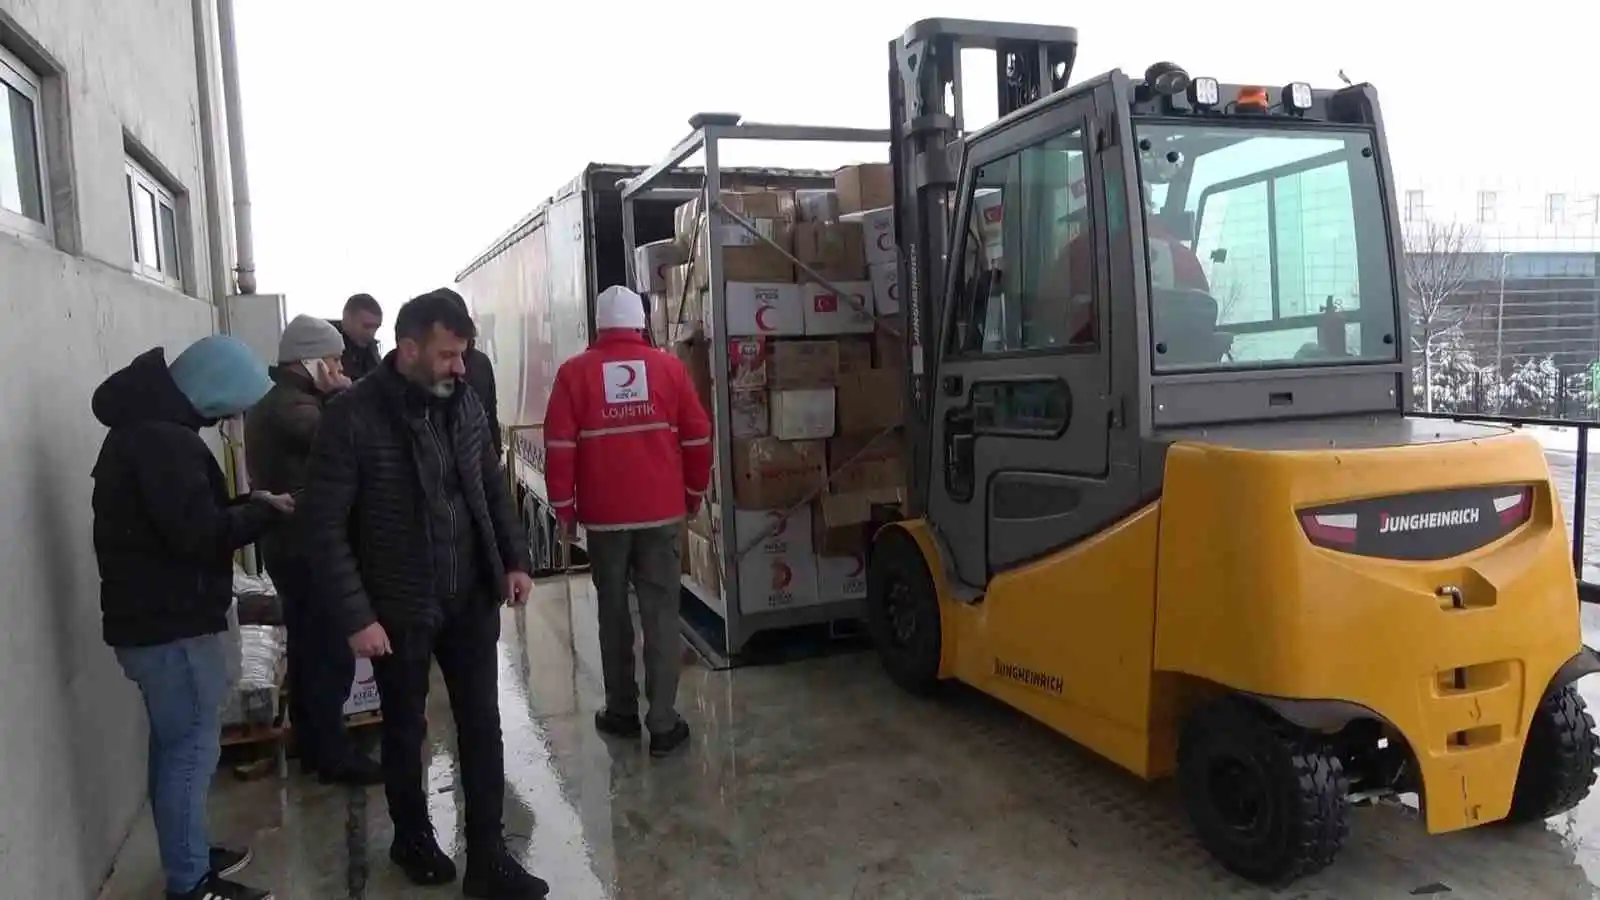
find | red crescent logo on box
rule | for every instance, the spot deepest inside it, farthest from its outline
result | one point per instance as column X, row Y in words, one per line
column 661, row 271
column 781, row 520
column 885, row 240
column 781, row 575
column 861, row 564
column 894, row 290
column 761, row 319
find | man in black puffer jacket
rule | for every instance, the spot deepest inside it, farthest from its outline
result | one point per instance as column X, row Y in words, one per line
column 414, row 542
column 164, row 535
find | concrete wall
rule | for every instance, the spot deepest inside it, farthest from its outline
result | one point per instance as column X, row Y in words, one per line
column 72, row 731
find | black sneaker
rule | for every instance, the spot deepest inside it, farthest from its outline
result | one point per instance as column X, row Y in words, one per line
column 226, row 862
column 500, row 877
column 215, row 887
column 420, row 858
column 664, row 743
column 616, row 724
column 357, row 771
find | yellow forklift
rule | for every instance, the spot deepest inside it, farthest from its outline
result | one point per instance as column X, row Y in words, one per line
column 1166, row 498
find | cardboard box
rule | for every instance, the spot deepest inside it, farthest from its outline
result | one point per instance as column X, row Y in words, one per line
column 836, row 541
column 842, row 577
column 878, row 461
column 869, row 402
column 817, row 205
column 857, row 507
column 769, row 308
column 773, row 474
column 780, row 571
column 747, row 363
column 836, row 250
column 746, row 257
column 828, row 313
column 855, row 355
column 990, row 213
column 700, row 523
column 651, row 263
column 749, row 414
column 805, row 414
column 695, row 354
column 764, row 204
column 363, row 696
column 865, row 186
column 877, row 227
column 885, row 287
column 703, row 563
column 793, row 365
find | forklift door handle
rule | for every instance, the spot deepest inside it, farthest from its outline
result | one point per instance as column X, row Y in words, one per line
column 953, row 385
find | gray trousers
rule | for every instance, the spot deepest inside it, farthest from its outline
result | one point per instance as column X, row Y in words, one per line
column 651, row 559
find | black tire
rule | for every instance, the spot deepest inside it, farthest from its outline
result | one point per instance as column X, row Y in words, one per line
column 903, row 612
column 1558, row 760
column 1268, row 800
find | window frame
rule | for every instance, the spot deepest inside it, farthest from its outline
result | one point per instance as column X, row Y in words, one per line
column 136, row 178
column 950, row 348
column 1416, row 206
column 1555, row 208
column 1488, row 207
column 18, row 76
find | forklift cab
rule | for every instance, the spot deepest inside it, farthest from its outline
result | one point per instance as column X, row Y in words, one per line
column 1128, row 263
column 1165, row 497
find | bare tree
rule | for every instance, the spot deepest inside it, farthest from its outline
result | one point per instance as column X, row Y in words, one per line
column 1439, row 257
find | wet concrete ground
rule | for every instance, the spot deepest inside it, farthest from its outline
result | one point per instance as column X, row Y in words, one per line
column 820, row 780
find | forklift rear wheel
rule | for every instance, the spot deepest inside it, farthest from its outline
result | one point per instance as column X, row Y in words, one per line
column 1559, row 759
column 1268, row 800
column 903, row 612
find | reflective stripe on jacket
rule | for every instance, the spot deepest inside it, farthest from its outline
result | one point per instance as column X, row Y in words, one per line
column 627, row 442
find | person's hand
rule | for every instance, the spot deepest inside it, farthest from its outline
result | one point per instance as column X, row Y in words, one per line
column 329, row 377
column 370, row 641
column 283, row 503
column 520, row 584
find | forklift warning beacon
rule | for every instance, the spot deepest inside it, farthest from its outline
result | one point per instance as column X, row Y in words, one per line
column 1166, row 498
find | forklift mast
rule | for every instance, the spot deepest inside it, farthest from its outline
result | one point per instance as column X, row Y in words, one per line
column 928, row 130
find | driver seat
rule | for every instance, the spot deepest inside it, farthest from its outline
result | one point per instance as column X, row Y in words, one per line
column 1185, row 321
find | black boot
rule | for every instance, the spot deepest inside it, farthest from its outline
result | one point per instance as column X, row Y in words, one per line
column 667, row 741
column 496, row 875
column 616, row 724
column 419, row 857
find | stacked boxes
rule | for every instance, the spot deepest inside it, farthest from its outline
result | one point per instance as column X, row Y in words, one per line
column 807, row 385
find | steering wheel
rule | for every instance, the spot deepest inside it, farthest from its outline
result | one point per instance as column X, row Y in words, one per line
column 1183, row 322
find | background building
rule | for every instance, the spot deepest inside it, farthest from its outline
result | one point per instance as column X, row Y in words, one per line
column 1513, row 268
column 113, row 238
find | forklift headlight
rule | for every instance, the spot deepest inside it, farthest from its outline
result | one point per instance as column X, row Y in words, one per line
column 1204, row 92
column 1297, row 96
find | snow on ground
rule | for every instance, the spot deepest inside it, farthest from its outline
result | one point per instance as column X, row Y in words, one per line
column 1561, row 440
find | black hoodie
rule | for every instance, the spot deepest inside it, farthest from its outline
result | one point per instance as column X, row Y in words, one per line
column 164, row 527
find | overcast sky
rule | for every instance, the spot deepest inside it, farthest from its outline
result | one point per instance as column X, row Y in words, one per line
column 390, row 142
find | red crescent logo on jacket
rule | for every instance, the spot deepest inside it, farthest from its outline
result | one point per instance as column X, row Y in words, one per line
column 761, row 318
column 782, row 575
column 633, row 375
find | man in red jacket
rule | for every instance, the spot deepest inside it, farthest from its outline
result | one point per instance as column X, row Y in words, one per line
column 628, row 455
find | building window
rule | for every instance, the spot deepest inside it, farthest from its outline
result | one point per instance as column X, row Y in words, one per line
column 1486, row 204
column 153, row 224
column 1415, row 210
column 1555, row 208
column 22, row 174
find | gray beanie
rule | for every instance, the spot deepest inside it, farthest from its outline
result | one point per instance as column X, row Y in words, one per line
column 308, row 337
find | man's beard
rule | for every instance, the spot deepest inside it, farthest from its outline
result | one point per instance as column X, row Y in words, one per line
column 442, row 389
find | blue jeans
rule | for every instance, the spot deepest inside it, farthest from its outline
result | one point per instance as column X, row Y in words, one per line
column 183, row 684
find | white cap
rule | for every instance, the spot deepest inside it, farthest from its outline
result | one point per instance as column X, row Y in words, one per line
column 618, row 307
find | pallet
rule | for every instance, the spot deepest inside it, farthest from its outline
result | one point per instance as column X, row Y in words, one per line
column 240, row 735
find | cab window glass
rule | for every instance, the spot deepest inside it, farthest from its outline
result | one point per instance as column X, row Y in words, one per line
column 1027, row 278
